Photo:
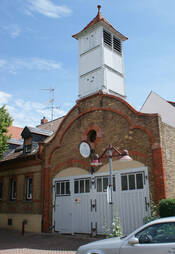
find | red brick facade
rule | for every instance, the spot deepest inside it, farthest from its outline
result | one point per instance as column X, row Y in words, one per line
column 115, row 122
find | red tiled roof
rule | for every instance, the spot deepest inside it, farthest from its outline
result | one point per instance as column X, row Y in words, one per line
column 97, row 19
column 15, row 132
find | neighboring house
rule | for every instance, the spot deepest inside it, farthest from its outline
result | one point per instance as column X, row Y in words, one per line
column 156, row 104
column 15, row 139
column 51, row 182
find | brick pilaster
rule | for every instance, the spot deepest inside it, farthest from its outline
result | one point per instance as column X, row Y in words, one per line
column 159, row 172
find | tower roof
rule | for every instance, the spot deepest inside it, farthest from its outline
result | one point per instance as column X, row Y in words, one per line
column 103, row 21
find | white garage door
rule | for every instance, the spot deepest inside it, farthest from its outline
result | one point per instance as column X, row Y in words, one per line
column 82, row 207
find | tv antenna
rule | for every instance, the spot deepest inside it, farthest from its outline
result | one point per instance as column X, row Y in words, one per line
column 51, row 100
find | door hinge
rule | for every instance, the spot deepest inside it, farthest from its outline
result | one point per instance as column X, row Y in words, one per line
column 94, row 229
column 146, row 204
column 93, row 205
column 145, row 178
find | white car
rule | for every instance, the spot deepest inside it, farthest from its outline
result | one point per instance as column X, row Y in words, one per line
column 156, row 237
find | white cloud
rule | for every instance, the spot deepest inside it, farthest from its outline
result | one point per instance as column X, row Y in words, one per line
column 30, row 113
column 68, row 104
column 14, row 65
column 27, row 112
column 12, row 30
column 47, row 8
column 4, row 98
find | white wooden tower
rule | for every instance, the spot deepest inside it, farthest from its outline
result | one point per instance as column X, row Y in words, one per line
column 100, row 58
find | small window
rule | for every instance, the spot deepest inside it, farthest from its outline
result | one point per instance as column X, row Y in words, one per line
column 139, row 180
column 12, row 189
column 76, row 186
column 27, row 148
column 1, row 185
column 132, row 181
column 58, row 188
column 92, row 135
column 9, row 222
column 124, row 182
column 103, row 182
column 107, row 38
column 99, row 185
column 28, row 188
column 87, row 186
column 81, row 186
column 62, row 188
column 117, row 44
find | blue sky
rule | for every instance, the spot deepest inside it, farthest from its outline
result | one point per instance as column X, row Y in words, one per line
column 37, row 52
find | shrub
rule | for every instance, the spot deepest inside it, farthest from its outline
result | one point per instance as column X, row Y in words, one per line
column 115, row 230
column 167, row 207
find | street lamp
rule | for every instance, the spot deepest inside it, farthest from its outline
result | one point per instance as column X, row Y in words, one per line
column 109, row 153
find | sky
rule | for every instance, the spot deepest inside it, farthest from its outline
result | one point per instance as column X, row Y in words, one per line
column 38, row 53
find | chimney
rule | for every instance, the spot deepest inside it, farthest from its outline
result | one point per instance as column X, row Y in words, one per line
column 44, row 120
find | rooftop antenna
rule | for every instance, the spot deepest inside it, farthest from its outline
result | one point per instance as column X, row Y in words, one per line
column 51, row 101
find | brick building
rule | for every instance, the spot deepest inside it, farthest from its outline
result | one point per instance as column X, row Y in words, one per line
column 50, row 181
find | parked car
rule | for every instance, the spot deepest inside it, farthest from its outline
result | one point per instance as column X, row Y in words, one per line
column 156, row 237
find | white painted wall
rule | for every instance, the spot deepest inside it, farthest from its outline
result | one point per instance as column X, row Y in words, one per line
column 91, row 82
column 113, row 59
column 115, row 82
column 155, row 104
column 90, row 60
column 90, row 40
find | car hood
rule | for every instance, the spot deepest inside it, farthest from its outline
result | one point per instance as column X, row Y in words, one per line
column 106, row 246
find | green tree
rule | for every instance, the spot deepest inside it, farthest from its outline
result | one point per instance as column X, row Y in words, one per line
column 5, row 122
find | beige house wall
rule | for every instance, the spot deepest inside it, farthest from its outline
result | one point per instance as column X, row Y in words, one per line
column 33, row 222
column 168, row 144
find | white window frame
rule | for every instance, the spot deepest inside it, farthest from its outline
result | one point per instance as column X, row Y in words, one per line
column 12, row 189
column 28, row 194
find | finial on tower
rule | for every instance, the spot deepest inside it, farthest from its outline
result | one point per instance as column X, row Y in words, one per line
column 99, row 12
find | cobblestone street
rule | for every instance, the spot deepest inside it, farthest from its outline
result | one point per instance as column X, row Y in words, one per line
column 15, row 242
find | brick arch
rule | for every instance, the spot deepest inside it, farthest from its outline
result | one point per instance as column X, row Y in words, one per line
column 90, row 111
column 145, row 130
column 101, row 94
column 101, row 109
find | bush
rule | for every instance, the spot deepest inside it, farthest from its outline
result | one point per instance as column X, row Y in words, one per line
column 167, row 207
column 115, row 230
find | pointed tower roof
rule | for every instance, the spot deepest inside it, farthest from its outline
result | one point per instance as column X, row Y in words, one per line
column 103, row 21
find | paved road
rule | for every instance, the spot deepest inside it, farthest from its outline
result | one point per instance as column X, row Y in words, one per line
column 32, row 243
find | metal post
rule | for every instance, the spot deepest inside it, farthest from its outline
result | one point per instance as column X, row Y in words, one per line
column 111, row 184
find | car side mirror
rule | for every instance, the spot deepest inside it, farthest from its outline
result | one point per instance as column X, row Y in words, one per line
column 133, row 241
